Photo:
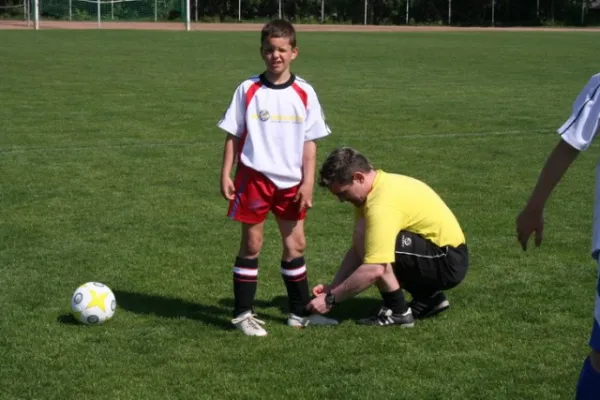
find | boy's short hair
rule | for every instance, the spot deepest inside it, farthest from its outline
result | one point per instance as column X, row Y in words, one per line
column 340, row 166
column 278, row 28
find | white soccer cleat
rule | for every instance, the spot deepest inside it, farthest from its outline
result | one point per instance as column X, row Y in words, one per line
column 313, row 319
column 249, row 324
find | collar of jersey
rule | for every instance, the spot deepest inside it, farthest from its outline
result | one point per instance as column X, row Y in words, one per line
column 270, row 85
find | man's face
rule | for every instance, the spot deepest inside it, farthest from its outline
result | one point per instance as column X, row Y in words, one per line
column 353, row 193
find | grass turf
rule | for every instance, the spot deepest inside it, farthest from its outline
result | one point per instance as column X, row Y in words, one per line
column 109, row 168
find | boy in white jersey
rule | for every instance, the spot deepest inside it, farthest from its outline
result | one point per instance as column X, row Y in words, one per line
column 577, row 133
column 272, row 122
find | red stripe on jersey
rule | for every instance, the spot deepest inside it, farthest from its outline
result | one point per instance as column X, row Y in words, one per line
column 251, row 92
column 303, row 95
column 249, row 96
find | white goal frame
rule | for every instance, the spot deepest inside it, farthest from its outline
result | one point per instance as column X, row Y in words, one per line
column 99, row 3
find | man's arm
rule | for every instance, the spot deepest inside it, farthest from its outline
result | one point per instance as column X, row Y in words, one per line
column 361, row 279
column 349, row 264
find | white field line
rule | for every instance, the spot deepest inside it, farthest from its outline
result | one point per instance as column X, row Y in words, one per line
column 423, row 136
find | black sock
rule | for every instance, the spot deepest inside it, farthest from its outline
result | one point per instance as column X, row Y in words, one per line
column 295, row 278
column 394, row 301
column 245, row 277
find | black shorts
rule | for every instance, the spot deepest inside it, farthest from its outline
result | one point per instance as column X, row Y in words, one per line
column 423, row 268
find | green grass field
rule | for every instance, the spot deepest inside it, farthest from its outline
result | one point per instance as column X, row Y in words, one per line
column 109, row 171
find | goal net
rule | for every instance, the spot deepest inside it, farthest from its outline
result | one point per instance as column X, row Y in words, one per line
column 113, row 10
column 14, row 10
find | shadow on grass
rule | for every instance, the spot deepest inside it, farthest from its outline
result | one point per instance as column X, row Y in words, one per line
column 67, row 319
column 171, row 307
column 220, row 317
column 352, row 309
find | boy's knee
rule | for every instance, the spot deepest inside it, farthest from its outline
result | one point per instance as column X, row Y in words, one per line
column 251, row 246
column 294, row 246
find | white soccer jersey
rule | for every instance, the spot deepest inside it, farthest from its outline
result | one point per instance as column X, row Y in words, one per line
column 273, row 122
column 579, row 131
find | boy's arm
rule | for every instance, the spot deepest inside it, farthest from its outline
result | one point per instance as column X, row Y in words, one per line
column 309, row 156
column 309, row 162
column 229, row 154
column 555, row 167
column 531, row 218
column 577, row 134
column 233, row 122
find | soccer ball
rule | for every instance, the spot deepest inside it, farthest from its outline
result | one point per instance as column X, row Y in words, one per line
column 93, row 303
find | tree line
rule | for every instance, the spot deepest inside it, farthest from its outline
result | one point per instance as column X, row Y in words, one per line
column 379, row 12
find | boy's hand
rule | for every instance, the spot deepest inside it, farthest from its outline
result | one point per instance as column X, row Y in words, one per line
column 529, row 221
column 304, row 196
column 227, row 188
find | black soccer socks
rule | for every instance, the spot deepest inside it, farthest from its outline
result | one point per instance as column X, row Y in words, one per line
column 245, row 277
column 394, row 301
column 295, row 278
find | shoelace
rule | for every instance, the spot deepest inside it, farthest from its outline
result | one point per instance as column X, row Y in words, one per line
column 252, row 321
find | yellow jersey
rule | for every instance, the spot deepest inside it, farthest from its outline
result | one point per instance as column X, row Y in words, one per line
column 398, row 202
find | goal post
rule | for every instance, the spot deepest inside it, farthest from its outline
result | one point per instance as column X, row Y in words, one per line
column 15, row 10
column 100, row 11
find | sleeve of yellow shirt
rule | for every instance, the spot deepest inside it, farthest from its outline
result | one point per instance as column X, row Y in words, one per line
column 382, row 227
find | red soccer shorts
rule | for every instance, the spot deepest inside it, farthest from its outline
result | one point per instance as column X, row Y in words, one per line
column 255, row 195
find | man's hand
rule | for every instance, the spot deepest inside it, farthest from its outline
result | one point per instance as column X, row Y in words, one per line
column 319, row 289
column 304, row 196
column 227, row 188
column 318, row 305
column 529, row 221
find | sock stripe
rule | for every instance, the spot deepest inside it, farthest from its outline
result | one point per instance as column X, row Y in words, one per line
column 292, row 273
column 241, row 274
column 238, row 279
column 245, row 271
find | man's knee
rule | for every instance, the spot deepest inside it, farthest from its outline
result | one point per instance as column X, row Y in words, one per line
column 458, row 266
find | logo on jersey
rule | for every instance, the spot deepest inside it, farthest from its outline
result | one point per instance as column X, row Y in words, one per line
column 406, row 241
column 264, row 115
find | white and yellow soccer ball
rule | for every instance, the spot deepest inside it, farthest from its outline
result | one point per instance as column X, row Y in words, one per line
column 93, row 303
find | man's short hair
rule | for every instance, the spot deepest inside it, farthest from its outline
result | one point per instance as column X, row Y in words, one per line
column 340, row 166
column 278, row 28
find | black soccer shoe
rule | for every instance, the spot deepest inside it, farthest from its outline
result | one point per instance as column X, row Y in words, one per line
column 429, row 307
column 385, row 317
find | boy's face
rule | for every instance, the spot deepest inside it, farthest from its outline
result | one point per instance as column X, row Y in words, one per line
column 277, row 54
